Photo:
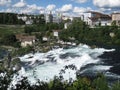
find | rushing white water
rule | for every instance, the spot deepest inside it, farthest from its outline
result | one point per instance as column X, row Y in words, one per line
column 45, row 66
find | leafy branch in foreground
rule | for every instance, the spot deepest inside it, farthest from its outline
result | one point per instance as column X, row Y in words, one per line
column 81, row 83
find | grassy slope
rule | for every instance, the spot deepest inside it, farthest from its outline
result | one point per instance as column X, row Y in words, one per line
column 5, row 29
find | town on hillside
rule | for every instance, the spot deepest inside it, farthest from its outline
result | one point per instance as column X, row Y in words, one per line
column 91, row 18
column 45, row 31
column 24, row 35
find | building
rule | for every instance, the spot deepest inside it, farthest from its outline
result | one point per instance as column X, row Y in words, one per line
column 26, row 40
column 116, row 18
column 29, row 22
column 66, row 25
column 45, row 38
column 24, row 18
column 86, row 18
column 27, row 19
column 49, row 18
column 56, row 33
column 96, row 18
column 67, row 18
column 57, row 18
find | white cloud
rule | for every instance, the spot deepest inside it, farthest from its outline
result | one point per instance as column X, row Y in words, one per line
column 23, row 7
column 66, row 8
column 9, row 10
column 81, row 9
column 25, row 11
column 4, row 2
column 50, row 7
column 104, row 9
column 80, row 1
column 107, row 3
column 42, row 11
column 70, row 14
column 31, row 9
column 20, row 4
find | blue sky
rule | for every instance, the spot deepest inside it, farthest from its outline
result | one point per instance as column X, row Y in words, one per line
column 72, row 7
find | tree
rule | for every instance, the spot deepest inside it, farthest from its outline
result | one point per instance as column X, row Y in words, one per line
column 10, row 18
column 100, row 83
column 9, row 39
column 116, row 86
column 113, row 23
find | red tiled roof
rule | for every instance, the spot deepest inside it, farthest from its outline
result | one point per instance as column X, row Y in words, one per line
column 23, row 38
column 99, row 16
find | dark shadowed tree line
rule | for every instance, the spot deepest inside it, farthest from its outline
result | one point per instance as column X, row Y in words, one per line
column 10, row 18
column 9, row 40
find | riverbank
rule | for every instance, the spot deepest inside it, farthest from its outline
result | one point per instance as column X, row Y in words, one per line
column 45, row 47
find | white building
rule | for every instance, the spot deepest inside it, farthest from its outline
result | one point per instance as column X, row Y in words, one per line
column 86, row 18
column 96, row 18
column 116, row 18
column 66, row 25
column 45, row 38
column 29, row 22
column 48, row 18
column 26, row 40
column 24, row 18
column 27, row 19
column 67, row 18
column 57, row 18
column 55, row 33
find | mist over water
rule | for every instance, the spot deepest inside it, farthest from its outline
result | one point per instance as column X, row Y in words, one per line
column 45, row 66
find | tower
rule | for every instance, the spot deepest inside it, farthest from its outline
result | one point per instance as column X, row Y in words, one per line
column 49, row 18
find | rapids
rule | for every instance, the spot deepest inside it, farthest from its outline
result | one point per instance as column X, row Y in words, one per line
column 45, row 66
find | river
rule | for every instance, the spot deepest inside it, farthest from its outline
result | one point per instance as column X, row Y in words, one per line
column 89, row 62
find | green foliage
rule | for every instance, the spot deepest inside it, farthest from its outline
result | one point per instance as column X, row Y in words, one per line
column 116, row 86
column 76, row 30
column 10, row 18
column 43, row 27
column 23, row 85
column 11, row 29
column 5, row 81
column 23, row 50
column 81, row 83
column 101, row 34
column 10, row 40
column 30, row 29
column 113, row 23
column 100, row 83
column 56, row 84
column 39, row 20
column 16, row 61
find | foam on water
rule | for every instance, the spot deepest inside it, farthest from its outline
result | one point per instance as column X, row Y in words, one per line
column 53, row 63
